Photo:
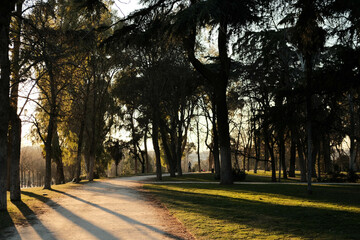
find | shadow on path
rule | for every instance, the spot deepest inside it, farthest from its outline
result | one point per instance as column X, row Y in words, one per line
column 121, row 216
column 7, row 225
column 33, row 219
column 86, row 225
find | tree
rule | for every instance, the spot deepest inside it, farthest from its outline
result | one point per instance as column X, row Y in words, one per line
column 5, row 15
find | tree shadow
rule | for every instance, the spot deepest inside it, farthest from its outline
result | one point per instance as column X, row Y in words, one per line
column 91, row 228
column 121, row 216
column 7, row 226
column 350, row 195
column 33, row 220
column 299, row 221
column 86, row 225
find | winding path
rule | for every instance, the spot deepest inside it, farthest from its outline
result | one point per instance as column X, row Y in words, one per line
column 107, row 210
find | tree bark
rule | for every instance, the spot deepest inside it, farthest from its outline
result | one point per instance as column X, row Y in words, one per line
column 215, row 141
column 198, row 143
column 326, row 152
column 56, row 150
column 5, row 13
column 155, row 140
column 15, row 121
column 81, row 135
column 51, row 127
column 292, row 156
column 352, row 132
column 15, row 193
column 219, row 81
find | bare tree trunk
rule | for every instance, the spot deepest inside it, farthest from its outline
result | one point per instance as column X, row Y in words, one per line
column 216, row 142
column 155, row 140
column 167, row 150
column 15, row 193
column 60, row 178
column 81, row 135
column 352, row 132
column 51, row 127
column 146, row 149
column 198, row 142
column 15, row 131
column 282, row 155
column 92, row 153
column 309, row 120
column 326, row 152
column 5, row 13
column 292, row 156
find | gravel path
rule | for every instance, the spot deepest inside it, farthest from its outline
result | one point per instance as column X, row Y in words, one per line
column 107, row 210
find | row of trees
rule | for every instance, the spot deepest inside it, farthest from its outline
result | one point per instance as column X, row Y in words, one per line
column 267, row 79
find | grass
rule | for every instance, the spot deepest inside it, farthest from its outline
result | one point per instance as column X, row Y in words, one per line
column 212, row 211
column 32, row 202
column 260, row 176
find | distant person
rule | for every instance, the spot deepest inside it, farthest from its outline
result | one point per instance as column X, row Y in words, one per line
column 189, row 170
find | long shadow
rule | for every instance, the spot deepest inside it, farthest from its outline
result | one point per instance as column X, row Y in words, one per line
column 121, row 216
column 7, row 226
column 350, row 195
column 109, row 188
column 89, row 227
column 300, row 221
column 34, row 221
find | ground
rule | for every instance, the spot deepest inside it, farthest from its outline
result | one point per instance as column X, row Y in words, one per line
column 107, row 210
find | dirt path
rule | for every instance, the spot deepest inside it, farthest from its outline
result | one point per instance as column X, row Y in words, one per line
column 107, row 210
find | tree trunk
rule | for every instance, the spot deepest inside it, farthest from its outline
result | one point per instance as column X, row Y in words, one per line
column 309, row 120
column 352, row 132
column 155, row 140
column 81, row 136
column 216, row 142
column 271, row 151
column 92, row 152
column 5, row 13
column 48, row 151
column 51, row 127
column 146, row 149
column 219, row 81
column 292, row 156
column 282, row 154
column 326, row 152
column 15, row 122
column 301, row 159
column 15, row 193
column 198, row 143
column 57, row 158
column 167, row 150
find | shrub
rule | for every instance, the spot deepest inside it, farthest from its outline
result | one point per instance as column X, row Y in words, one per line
column 238, row 175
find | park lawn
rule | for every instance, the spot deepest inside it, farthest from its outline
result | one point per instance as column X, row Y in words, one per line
column 32, row 202
column 260, row 176
column 270, row 211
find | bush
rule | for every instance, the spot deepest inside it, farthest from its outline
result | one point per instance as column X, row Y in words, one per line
column 334, row 177
column 352, row 176
column 238, row 175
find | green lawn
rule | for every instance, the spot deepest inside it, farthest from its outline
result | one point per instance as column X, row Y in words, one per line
column 260, row 176
column 212, row 211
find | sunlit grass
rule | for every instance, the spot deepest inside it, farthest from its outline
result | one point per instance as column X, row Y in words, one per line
column 260, row 176
column 264, row 211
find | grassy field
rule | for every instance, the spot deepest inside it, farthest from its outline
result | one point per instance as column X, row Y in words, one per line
column 261, row 176
column 271, row 211
column 33, row 201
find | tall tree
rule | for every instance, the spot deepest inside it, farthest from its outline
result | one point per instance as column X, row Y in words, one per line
column 5, row 14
